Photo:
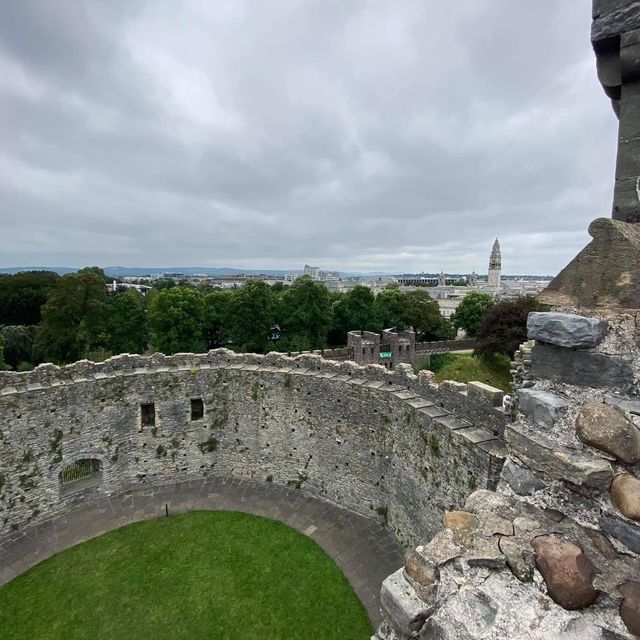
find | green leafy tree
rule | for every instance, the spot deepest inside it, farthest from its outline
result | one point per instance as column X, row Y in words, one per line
column 503, row 327
column 423, row 314
column 470, row 311
column 128, row 332
column 22, row 295
column 18, row 344
column 217, row 318
column 75, row 318
column 3, row 364
column 304, row 315
column 391, row 308
column 354, row 311
column 164, row 283
column 252, row 316
column 176, row 320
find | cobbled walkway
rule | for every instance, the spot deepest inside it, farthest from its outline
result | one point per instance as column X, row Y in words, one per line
column 364, row 550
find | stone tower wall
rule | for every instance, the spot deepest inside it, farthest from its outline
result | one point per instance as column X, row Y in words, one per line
column 377, row 442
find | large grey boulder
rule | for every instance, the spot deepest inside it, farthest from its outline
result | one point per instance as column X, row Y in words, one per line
column 566, row 329
column 604, row 427
column 470, row 615
column 543, row 407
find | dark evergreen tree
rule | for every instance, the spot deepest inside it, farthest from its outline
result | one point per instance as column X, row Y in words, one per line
column 503, row 327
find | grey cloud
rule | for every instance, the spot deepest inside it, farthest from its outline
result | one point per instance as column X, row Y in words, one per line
column 383, row 135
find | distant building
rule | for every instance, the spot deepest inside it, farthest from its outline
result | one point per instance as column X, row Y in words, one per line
column 495, row 266
column 449, row 293
column 311, row 271
column 114, row 287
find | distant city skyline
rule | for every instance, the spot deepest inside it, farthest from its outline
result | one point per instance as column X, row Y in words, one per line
column 388, row 137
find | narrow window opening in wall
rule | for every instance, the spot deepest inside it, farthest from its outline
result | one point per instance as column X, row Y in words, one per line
column 197, row 409
column 148, row 415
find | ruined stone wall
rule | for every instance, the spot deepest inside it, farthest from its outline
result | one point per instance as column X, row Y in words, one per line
column 377, row 442
column 555, row 552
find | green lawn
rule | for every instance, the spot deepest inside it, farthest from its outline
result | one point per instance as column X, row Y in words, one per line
column 203, row 575
column 465, row 367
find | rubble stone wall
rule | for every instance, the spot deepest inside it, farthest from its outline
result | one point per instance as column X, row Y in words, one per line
column 555, row 551
column 380, row 443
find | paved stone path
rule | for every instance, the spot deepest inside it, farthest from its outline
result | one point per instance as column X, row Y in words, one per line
column 364, row 550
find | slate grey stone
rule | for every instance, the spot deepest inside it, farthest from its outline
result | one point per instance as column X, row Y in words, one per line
column 582, row 368
column 613, row 18
column 566, row 329
column 621, row 529
column 628, row 404
column 401, row 604
column 542, row 454
column 519, row 557
column 521, row 480
column 543, row 407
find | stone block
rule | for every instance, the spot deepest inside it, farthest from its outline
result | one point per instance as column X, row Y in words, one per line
column 452, row 385
column 582, row 368
column 614, row 18
column 543, row 407
column 630, row 112
column 401, row 604
column 485, row 393
column 628, row 404
column 542, row 454
column 566, row 329
column 521, row 480
column 622, row 529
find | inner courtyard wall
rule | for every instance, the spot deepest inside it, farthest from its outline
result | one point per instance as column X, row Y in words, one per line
column 380, row 443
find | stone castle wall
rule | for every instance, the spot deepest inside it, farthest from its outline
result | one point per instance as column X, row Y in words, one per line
column 390, row 445
column 555, row 551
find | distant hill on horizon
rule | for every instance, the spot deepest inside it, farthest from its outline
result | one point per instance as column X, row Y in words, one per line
column 140, row 272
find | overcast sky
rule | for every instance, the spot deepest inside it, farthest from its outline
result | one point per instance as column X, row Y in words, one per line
column 351, row 134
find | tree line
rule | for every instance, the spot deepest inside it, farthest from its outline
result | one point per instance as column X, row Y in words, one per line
column 61, row 319
column 49, row 318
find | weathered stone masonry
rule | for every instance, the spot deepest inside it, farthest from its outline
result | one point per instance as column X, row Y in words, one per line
column 376, row 442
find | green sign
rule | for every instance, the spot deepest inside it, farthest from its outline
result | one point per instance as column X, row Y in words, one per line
column 386, row 355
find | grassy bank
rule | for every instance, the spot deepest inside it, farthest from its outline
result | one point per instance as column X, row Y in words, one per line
column 465, row 367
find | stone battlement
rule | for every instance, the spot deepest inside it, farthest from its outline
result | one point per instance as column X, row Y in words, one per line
column 375, row 441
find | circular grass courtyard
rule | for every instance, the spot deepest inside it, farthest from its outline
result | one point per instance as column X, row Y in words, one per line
column 210, row 575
